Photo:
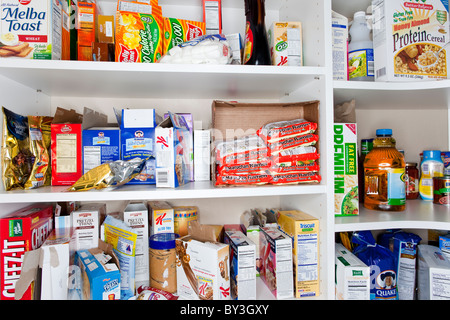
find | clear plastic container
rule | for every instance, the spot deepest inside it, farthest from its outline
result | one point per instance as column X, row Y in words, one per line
column 162, row 258
column 431, row 166
column 384, row 171
column 360, row 50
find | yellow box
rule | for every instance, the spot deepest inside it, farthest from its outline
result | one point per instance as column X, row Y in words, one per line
column 304, row 230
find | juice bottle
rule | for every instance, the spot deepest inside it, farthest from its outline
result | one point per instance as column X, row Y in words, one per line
column 366, row 147
column 431, row 166
column 384, row 171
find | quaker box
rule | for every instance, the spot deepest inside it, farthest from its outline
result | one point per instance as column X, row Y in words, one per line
column 172, row 148
column 346, row 196
column 21, row 231
column 304, row 232
column 100, row 145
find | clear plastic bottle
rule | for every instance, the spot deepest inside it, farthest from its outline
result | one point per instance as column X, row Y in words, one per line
column 384, row 174
column 360, row 50
column 431, row 166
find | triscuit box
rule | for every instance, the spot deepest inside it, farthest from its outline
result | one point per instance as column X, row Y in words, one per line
column 339, row 27
column 100, row 145
column 161, row 217
column 242, row 265
column 30, row 29
column 345, row 143
column 406, row 34
column 352, row 276
column 135, row 215
column 433, row 281
column 86, row 221
column 21, row 231
column 177, row 31
column 100, row 273
column 285, row 42
column 304, row 232
column 276, row 262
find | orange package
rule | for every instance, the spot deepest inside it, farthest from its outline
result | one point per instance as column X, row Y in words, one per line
column 177, row 31
column 138, row 37
column 86, row 29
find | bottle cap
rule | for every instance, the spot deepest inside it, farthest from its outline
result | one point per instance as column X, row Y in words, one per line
column 432, row 154
column 163, row 241
column 358, row 14
column 384, row 132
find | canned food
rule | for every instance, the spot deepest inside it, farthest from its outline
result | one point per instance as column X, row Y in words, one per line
column 445, row 155
column 441, row 190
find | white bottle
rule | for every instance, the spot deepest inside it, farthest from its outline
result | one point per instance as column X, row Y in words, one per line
column 360, row 49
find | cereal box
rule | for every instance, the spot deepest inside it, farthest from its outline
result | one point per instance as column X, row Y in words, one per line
column 138, row 37
column 21, row 231
column 346, row 201
column 285, row 41
column 30, row 29
column 407, row 36
column 177, row 31
column 87, row 13
column 161, row 217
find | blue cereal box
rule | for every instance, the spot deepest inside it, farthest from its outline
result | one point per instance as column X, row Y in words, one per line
column 100, row 145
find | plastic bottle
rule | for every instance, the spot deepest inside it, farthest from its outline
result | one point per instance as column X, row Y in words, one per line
column 384, row 171
column 366, row 147
column 256, row 51
column 431, row 166
column 360, row 50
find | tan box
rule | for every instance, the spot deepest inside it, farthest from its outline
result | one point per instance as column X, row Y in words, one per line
column 304, row 231
column 285, row 42
column 105, row 29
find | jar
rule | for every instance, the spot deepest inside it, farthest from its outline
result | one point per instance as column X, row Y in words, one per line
column 412, row 180
column 162, row 258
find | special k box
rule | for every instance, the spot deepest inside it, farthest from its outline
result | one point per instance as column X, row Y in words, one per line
column 30, row 29
column 21, row 231
column 161, row 217
column 177, row 31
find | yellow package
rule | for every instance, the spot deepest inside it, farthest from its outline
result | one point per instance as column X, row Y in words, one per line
column 177, row 31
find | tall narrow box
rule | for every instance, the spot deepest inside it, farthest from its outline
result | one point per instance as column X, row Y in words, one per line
column 87, row 13
column 161, row 217
column 202, row 155
column 339, row 28
column 304, row 232
column 86, row 222
column 21, row 231
column 212, row 16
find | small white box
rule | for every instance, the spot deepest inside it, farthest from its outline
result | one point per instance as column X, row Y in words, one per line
column 86, row 224
column 242, row 265
column 202, row 155
column 339, row 28
column 352, row 276
column 161, row 217
column 433, row 281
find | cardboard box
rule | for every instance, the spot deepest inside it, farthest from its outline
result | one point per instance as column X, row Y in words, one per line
column 100, row 273
column 304, row 232
column 65, row 32
column 87, row 13
column 31, row 30
column 21, row 231
column 212, row 16
column 161, row 217
column 352, row 276
column 135, row 215
column 235, row 42
column 100, row 145
column 105, row 29
column 339, row 27
column 205, row 275
column 433, row 274
column 137, row 139
column 276, row 259
column 202, row 155
column 103, row 51
column 444, row 245
column 177, row 31
column 242, row 265
column 346, row 197
column 172, row 147
column 86, row 221
column 286, row 43
column 403, row 33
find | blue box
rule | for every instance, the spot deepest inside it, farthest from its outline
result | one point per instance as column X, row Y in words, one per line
column 100, row 145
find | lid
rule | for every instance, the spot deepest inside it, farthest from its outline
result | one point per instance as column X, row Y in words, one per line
column 163, row 241
column 432, row 154
column 384, row 132
column 359, row 14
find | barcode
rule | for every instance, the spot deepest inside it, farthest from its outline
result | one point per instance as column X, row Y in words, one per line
column 162, row 177
column 381, row 72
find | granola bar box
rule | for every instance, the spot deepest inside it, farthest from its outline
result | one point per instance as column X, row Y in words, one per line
column 407, row 36
column 21, row 231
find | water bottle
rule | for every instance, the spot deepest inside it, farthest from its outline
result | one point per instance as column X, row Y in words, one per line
column 360, row 50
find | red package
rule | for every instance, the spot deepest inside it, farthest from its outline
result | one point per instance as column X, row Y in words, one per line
column 293, row 178
column 243, row 168
column 286, row 129
column 243, row 179
column 290, row 143
column 150, row 293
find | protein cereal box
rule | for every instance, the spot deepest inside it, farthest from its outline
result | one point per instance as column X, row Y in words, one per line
column 30, row 29
column 407, row 37
column 177, row 31
column 21, row 231
column 285, row 41
column 346, row 201
column 138, row 37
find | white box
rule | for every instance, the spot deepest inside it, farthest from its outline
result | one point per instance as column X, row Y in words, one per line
column 86, row 224
column 135, row 215
column 205, row 275
column 202, row 155
column 433, row 280
column 161, row 217
column 402, row 31
column 352, row 276
column 276, row 262
column 286, row 43
column 235, row 42
column 339, row 28
column 242, row 265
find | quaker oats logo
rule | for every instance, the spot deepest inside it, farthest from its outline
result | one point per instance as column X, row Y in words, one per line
column 101, row 134
column 386, row 279
column 139, row 134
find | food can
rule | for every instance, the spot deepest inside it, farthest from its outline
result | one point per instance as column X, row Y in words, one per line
column 445, row 155
column 441, row 190
column 183, row 217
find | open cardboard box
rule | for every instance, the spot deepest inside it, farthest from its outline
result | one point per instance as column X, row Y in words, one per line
column 232, row 120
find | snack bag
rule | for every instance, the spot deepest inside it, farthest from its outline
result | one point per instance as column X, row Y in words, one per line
column 177, row 31
column 138, row 37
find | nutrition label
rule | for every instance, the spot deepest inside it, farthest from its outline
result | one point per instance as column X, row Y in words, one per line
column 307, row 258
